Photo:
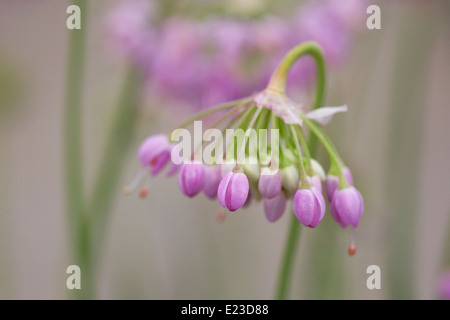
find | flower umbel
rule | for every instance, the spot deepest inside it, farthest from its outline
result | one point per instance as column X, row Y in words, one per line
column 273, row 171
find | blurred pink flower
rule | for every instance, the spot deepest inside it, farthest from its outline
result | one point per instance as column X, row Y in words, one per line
column 203, row 63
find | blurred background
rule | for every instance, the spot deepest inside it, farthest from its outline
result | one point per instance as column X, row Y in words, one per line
column 185, row 56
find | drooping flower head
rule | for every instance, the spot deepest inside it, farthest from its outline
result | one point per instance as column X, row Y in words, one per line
column 257, row 150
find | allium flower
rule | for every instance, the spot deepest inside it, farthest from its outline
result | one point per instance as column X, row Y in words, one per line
column 259, row 152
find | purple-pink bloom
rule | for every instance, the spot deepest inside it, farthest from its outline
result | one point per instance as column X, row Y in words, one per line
column 347, row 206
column 211, row 181
column 275, row 207
column 174, row 168
column 155, row 152
column 269, row 184
column 307, row 208
column 233, row 190
column 191, row 179
column 332, row 182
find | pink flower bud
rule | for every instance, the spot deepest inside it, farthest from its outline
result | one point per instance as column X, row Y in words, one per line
column 269, row 184
column 174, row 168
column 191, row 179
column 347, row 206
column 154, row 152
column 249, row 200
column 307, row 207
column 274, row 208
column 212, row 178
column 233, row 190
column 321, row 200
column 332, row 182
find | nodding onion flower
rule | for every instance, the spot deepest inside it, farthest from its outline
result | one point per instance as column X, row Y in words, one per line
column 254, row 167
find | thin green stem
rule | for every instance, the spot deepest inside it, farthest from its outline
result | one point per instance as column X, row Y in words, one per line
column 336, row 161
column 331, row 150
column 220, row 107
column 278, row 82
column 303, row 143
column 73, row 115
column 73, row 143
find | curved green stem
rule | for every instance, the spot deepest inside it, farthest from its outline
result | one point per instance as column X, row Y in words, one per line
column 73, row 147
column 278, row 82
